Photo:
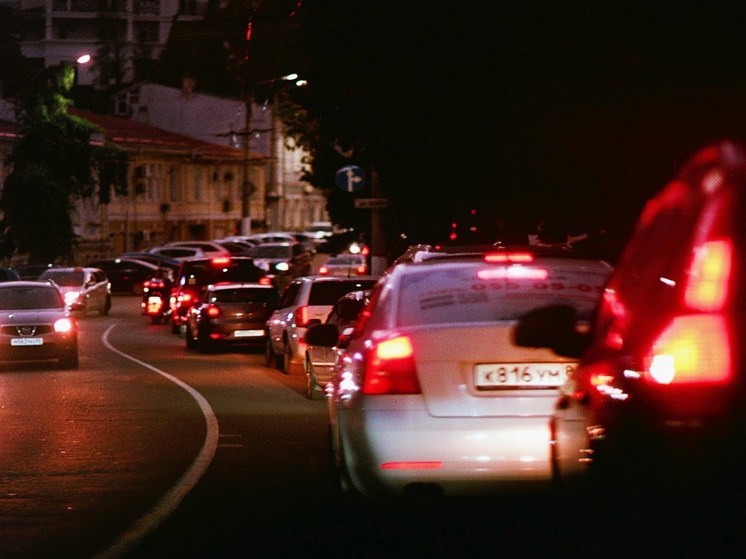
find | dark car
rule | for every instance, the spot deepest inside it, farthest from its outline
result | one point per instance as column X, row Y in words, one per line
column 31, row 271
column 36, row 325
column 660, row 392
column 126, row 275
column 230, row 314
column 157, row 259
column 195, row 274
column 9, row 274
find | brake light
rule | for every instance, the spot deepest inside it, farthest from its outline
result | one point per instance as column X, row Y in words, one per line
column 513, row 272
column 361, row 270
column 265, row 280
column 707, row 285
column 185, row 297
column 302, row 316
column 220, row 261
column 323, row 271
column 692, row 349
column 508, row 257
column 213, row 311
column 390, row 368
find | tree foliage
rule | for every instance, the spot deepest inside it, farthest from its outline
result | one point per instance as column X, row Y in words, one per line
column 54, row 163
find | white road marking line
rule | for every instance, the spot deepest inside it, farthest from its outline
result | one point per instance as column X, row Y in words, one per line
column 171, row 499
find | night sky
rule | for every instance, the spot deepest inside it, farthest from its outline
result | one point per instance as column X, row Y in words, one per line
column 564, row 111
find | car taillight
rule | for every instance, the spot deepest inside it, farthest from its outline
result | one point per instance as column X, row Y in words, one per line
column 63, row 325
column 390, row 368
column 302, row 316
column 707, row 283
column 220, row 261
column 265, row 280
column 185, row 297
column 693, row 347
column 213, row 311
column 513, row 272
column 323, row 271
column 362, row 270
column 508, row 257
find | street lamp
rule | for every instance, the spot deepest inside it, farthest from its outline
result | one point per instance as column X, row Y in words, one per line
column 248, row 132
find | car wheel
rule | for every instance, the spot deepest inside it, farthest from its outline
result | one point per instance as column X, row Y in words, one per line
column 312, row 391
column 287, row 354
column 69, row 360
column 189, row 337
column 107, row 306
column 204, row 345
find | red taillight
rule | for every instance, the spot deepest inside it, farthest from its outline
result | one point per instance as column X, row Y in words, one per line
column 692, row 349
column 185, row 297
column 513, row 272
column 361, row 270
column 707, row 283
column 508, row 257
column 323, row 271
column 213, row 311
column 302, row 316
column 390, row 368
column 220, row 261
column 264, row 280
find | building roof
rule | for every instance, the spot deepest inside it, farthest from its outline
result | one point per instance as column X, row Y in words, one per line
column 130, row 134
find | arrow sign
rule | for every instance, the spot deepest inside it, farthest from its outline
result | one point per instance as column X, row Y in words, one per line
column 350, row 178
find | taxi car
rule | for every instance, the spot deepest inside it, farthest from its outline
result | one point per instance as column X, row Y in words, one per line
column 230, row 314
column 36, row 325
column 658, row 397
column 430, row 392
column 84, row 289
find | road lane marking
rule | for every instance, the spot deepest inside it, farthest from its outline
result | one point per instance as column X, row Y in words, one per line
column 173, row 497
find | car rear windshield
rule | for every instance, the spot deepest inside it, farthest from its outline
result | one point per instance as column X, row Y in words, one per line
column 329, row 292
column 204, row 272
column 272, row 252
column 64, row 278
column 346, row 260
column 245, row 295
column 476, row 292
column 27, row 298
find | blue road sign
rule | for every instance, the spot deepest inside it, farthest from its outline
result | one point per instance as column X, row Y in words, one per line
column 350, row 178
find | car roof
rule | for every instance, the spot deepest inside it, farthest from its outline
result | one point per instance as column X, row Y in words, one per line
column 26, row 283
column 239, row 285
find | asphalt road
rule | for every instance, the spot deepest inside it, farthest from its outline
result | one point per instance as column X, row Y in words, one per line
column 152, row 451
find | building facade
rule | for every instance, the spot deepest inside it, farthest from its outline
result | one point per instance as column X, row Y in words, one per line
column 56, row 31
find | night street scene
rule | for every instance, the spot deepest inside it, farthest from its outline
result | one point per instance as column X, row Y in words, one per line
column 371, row 279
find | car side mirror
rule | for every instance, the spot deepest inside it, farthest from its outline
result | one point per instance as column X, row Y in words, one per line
column 553, row 327
column 322, row 335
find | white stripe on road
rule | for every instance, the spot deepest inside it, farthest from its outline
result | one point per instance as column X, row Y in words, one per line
column 171, row 499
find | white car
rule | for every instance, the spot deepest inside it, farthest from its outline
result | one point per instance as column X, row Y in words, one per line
column 83, row 288
column 306, row 299
column 430, row 391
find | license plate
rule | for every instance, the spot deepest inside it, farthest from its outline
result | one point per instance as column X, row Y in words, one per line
column 248, row 333
column 26, row 341
column 493, row 376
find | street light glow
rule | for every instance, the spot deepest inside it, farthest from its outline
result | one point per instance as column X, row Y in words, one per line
column 84, row 59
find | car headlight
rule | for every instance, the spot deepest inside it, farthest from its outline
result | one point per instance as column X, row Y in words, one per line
column 63, row 325
column 282, row 267
column 71, row 297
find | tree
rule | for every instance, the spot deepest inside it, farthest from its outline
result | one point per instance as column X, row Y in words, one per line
column 53, row 164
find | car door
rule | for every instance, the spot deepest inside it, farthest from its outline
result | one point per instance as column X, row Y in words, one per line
column 278, row 322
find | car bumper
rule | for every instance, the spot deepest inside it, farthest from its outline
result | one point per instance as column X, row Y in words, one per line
column 388, row 452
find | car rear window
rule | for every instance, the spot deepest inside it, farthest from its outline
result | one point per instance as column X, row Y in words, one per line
column 64, row 278
column 346, row 260
column 26, row 298
column 329, row 292
column 475, row 292
column 204, row 272
column 272, row 252
column 245, row 295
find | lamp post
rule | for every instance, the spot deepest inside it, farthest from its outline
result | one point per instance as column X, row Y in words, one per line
column 246, row 187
